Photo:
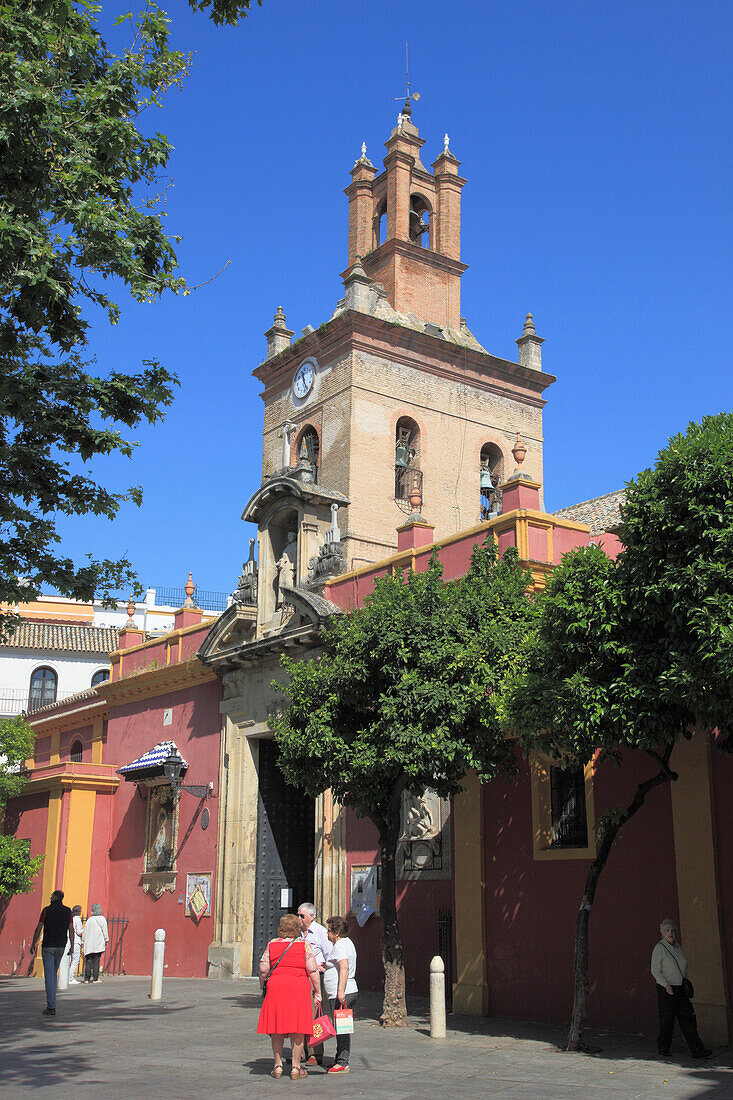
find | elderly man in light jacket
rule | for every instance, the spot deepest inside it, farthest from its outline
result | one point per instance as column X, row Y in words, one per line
column 95, row 938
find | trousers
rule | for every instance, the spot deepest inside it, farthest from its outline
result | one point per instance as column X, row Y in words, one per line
column 51, row 957
column 677, row 1007
column 343, row 1042
column 91, row 966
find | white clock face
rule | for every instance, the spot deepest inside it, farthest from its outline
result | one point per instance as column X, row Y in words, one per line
column 303, row 381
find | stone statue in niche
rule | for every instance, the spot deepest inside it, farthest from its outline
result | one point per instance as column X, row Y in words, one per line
column 423, row 839
column 286, row 566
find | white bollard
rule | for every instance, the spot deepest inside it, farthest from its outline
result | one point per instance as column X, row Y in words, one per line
column 156, row 981
column 62, row 980
column 437, row 998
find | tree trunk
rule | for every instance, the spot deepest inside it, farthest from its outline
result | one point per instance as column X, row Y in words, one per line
column 608, row 831
column 394, row 1007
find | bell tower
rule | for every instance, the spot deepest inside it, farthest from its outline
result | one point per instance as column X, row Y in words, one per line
column 405, row 225
column 393, row 399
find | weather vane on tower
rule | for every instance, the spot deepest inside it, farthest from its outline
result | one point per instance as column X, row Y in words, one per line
column 407, row 109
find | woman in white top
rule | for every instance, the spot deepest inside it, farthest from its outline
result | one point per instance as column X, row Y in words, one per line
column 669, row 970
column 340, row 984
column 75, row 949
column 95, row 938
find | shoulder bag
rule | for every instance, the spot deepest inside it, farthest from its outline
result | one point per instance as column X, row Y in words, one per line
column 274, row 968
column 687, row 987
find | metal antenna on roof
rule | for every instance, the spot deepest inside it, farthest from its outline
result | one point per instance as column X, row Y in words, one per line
column 407, row 109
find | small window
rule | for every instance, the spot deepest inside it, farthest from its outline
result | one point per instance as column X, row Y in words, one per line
column 491, row 474
column 77, row 752
column 309, row 450
column 567, row 801
column 100, row 677
column 44, row 682
column 380, row 224
column 407, row 472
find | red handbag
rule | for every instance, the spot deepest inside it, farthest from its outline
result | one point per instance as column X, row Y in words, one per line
column 322, row 1029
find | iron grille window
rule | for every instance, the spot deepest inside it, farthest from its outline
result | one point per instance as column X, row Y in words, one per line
column 567, row 799
column 44, row 682
column 77, row 751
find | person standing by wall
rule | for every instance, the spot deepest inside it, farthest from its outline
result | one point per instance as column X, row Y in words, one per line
column 314, row 934
column 95, row 938
column 56, row 924
column 339, row 979
column 669, row 970
column 75, row 947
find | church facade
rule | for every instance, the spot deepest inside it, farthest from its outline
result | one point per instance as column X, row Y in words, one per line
column 389, row 432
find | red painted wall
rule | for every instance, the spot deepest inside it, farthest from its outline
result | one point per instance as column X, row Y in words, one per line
column 132, row 730
column 531, row 905
column 722, row 765
column 417, row 912
column 25, row 818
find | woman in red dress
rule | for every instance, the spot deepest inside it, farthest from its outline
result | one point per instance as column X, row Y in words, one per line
column 291, row 973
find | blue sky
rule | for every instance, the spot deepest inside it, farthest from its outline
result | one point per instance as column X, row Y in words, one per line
column 596, row 140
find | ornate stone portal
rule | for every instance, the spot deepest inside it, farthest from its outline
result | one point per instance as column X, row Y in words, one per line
column 296, row 519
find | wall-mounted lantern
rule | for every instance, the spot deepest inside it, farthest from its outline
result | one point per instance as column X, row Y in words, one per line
column 173, row 765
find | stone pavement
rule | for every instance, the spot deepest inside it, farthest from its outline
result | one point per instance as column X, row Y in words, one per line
column 200, row 1041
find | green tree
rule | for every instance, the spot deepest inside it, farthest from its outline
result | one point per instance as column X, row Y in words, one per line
column 633, row 655
column 401, row 699
column 17, row 867
column 81, row 203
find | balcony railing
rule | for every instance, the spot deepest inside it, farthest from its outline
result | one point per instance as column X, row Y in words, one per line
column 202, row 597
column 15, row 700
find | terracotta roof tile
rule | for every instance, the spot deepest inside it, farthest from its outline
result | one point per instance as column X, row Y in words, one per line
column 67, row 638
column 600, row 513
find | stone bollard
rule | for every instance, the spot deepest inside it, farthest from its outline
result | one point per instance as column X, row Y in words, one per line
column 437, row 998
column 62, row 980
column 156, row 980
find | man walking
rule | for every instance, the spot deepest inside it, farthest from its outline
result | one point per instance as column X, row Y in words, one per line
column 317, row 936
column 56, row 924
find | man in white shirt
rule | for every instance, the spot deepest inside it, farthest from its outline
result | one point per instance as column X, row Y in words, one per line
column 317, row 936
column 669, row 970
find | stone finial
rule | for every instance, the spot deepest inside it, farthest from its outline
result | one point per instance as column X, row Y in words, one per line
column 446, row 143
column 189, row 588
column 519, row 451
column 530, row 345
column 363, row 150
column 278, row 336
column 130, row 613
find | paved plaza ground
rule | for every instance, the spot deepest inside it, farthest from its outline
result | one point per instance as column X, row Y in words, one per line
column 201, row 1041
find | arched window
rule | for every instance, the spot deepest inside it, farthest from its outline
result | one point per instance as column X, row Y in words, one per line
column 491, row 475
column 100, row 677
column 407, row 472
column 309, row 449
column 380, row 224
column 77, row 751
column 44, row 682
column 419, row 221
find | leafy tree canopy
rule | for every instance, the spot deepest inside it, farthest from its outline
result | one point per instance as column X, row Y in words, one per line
column 402, row 698
column 81, row 205
column 17, row 867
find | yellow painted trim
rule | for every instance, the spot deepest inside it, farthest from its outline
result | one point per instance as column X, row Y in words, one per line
column 522, row 529
column 97, row 741
column 539, row 770
column 157, row 681
column 470, row 992
column 172, row 634
column 51, row 855
column 499, row 524
column 55, row 753
column 693, row 817
column 78, row 858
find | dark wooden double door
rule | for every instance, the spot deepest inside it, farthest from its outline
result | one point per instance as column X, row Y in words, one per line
column 285, row 848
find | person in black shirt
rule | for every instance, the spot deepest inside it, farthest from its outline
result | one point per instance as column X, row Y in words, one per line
column 56, row 924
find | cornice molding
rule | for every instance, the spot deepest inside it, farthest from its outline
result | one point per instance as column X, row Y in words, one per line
column 156, row 681
column 72, row 776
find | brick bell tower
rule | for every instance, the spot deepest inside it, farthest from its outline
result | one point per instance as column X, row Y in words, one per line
column 394, row 396
column 405, row 224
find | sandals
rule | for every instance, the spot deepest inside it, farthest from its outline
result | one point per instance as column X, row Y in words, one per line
column 277, row 1072
column 297, row 1073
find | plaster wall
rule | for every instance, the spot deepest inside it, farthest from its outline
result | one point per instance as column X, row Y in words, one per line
column 26, row 819
column 74, row 673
